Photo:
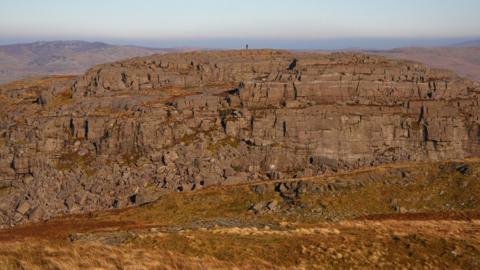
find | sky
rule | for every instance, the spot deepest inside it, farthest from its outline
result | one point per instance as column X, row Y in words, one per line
column 301, row 24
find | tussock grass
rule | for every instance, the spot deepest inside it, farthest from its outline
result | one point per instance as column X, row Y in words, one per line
column 351, row 226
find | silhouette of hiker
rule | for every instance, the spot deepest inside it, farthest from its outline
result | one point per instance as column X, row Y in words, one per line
column 246, row 46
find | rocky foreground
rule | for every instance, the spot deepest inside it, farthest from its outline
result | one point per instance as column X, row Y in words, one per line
column 400, row 216
column 125, row 133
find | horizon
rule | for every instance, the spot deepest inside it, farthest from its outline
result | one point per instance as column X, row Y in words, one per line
column 269, row 24
column 325, row 44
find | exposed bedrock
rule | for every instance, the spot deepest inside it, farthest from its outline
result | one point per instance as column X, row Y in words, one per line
column 125, row 132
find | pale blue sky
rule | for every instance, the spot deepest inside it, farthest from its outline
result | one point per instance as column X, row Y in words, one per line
column 210, row 22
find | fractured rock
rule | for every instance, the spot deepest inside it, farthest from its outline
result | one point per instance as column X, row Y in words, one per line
column 23, row 207
column 230, row 118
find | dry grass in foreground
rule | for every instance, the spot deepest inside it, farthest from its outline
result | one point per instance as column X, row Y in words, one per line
column 413, row 216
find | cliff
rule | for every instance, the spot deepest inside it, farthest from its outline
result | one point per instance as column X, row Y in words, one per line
column 126, row 132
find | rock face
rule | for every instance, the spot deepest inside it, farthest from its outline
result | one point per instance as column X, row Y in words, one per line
column 126, row 132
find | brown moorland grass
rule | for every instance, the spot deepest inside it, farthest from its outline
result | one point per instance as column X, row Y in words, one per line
column 356, row 227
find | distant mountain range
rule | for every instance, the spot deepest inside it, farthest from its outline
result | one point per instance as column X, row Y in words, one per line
column 19, row 61
column 463, row 59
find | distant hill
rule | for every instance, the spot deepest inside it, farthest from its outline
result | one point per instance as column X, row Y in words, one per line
column 471, row 43
column 463, row 59
column 19, row 61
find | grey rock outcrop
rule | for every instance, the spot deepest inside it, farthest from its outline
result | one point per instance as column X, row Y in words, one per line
column 124, row 133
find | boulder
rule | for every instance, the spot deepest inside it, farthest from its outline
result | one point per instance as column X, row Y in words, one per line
column 20, row 165
column 23, row 207
column 37, row 214
column 463, row 169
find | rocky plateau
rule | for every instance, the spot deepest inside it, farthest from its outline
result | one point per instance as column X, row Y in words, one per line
column 125, row 133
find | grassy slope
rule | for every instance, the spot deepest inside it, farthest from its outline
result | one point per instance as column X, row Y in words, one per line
column 416, row 216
